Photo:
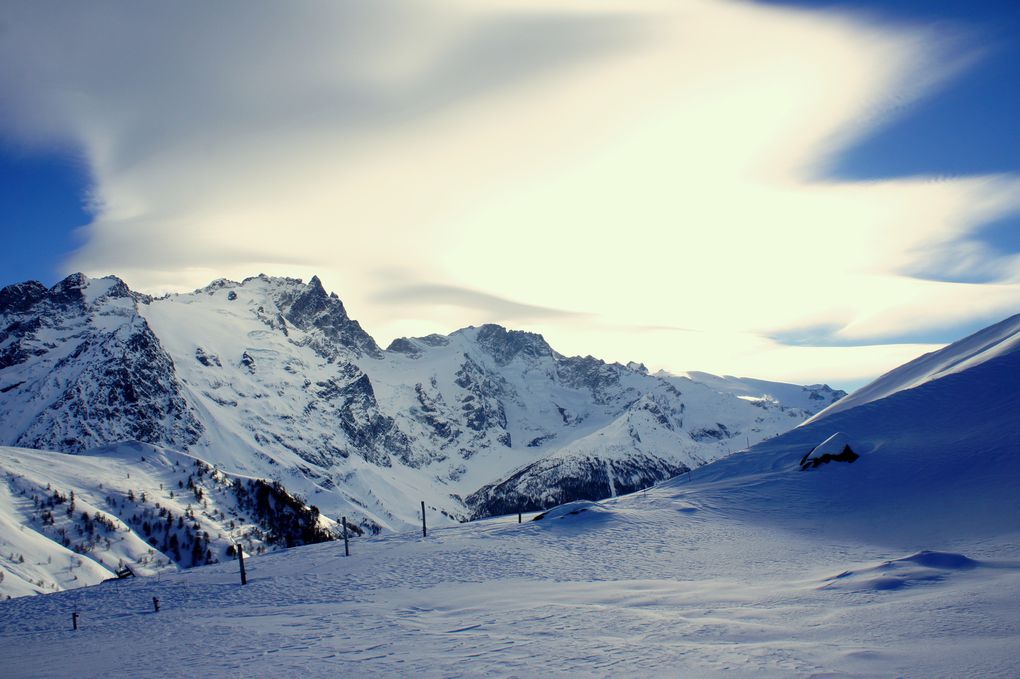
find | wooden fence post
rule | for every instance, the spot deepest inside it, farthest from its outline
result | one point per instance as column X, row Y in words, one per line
column 240, row 560
column 424, row 530
column 347, row 549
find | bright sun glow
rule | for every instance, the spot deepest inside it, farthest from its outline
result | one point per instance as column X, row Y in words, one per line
column 636, row 180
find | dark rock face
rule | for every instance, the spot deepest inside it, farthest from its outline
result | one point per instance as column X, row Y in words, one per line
column 846, row 455
column 20, row 297
column 481, row 405
column 824, row 394
column 506, row 345
column 554, row 481
column 208, row 360
column 403, row 345
column 68, row 291
column 717, row 433
column 372, row 433
column 311, row 307
column 93, row 377
column 590, row 373
column 429, row 412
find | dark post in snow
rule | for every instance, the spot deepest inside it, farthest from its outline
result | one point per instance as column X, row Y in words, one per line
column 518, row 517
column 347, row 549
column 240, row 561
column 424, row 530
column 74, row 621
column 155, row 604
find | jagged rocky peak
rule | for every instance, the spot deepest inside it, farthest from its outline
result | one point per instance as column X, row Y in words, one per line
column 406, row 346
column 414, row 346
column 308, row 306
column 218, row 284
column 74, row 290
column 588, row 372
column 20, row 297
column 824, row 393
column 506, row 345
column 637, row 367
column 80, row 289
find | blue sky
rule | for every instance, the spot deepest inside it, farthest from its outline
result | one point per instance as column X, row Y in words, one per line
column 969, row 127
column 185, row 152
column 42, row 202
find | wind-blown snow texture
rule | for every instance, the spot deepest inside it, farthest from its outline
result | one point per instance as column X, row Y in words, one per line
column 904, row 563
column 271, row 378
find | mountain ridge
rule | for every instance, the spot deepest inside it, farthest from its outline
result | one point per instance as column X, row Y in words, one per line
column 272, row 377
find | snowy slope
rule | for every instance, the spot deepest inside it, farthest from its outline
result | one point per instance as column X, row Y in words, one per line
column 985, row 345
column 938, row 449
column 69, row 521
column 809, row 399
column 271, row 378
column 905, row 563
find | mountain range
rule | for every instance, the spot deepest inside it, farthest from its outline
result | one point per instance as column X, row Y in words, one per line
column 270, row 378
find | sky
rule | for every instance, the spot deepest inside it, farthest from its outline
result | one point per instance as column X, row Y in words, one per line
column 803, row 191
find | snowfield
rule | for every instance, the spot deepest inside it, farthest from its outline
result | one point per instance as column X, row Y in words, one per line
column 902, row 562
column 686, row 579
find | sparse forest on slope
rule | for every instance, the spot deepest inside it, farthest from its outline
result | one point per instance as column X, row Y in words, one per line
column 73, row 520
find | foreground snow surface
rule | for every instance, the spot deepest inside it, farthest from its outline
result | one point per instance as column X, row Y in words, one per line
column 691, row 578
column 905, row 562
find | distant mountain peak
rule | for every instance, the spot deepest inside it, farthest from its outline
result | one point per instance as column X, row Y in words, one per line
column 506, row 345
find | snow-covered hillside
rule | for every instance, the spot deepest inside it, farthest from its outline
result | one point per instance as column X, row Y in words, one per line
column 809, row 399
column 902, row 563
column 73, row 520
column 988, row 344
column 271, row 378
column 937, row 441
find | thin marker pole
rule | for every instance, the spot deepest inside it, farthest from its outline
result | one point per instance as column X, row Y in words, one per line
column 347, row 549
column 240, row 561
column 424, row 530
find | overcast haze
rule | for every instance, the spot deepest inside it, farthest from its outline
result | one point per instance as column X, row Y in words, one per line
column 645, row 181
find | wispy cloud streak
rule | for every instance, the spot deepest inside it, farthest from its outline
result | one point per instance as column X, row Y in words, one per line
column 656, row 164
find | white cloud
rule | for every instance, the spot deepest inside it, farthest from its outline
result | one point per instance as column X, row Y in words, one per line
column 639, row 163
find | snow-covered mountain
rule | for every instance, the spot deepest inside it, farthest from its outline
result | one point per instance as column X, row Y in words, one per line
column 271, row 378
